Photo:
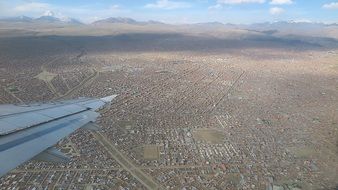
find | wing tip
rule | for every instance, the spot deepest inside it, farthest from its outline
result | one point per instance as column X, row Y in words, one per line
column 108, row 99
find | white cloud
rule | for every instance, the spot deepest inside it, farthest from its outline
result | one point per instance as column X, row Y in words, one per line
column 239, row 1
column 167, row 4
column 221, row 3
column 333, row 5
column 32, row 7
column 281, row 2
column 38, row 9
column 114, row 7
column 302, row 21
column 215, row 7
column 276, row 11
column 48, row 13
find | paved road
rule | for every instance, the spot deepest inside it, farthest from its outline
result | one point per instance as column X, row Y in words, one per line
column 13, row 95
column 127, row 164
column 86, row 81
column 111, row 168
column 48, row 82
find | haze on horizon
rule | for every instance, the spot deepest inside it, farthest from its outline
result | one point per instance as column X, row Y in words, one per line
column 178, row 11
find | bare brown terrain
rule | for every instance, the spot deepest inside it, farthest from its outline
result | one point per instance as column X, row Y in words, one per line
column 198, row 108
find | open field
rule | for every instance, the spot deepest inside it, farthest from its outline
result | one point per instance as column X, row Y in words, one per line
column 46, row 76
column 151, row 152
column 209, row 136
column 203, row 108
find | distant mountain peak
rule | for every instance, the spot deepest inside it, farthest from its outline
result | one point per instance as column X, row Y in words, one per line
column 300, row 21
column 210, row 24
column 125, row 20
column 114, row 20
column 24, row 17
column 48, row 19
column 19, row 19
column 154, row 22
column 45, row 19
column 70, row 20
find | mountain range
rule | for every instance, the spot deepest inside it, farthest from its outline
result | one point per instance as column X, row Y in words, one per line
column 269, row 26
column 124, row 20
column 42, row 19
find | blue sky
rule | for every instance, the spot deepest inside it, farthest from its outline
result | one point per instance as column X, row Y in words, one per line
column 178, row 11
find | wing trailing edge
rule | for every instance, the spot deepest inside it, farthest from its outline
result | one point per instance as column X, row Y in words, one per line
column 52, row 155
column 24, row 137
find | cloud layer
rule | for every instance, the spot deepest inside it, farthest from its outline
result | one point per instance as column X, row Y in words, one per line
column 276, row 11
column 239, row 1
column 32, row 7
column 333, row 5
column 167, row 4
column 281, row 2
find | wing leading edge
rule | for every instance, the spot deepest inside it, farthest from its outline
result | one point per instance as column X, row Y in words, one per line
column 27, row 132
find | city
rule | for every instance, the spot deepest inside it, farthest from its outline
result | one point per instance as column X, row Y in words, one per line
column 198, row 106
column 212, row 121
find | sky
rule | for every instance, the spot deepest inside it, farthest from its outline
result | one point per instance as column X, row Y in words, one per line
column 178, row 11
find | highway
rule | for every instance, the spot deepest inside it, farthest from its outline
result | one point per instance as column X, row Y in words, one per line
column 127, row 164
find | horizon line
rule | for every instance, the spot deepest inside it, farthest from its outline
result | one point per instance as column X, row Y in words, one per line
column 169, row 23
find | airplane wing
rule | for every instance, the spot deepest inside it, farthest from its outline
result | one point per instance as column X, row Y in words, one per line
column 30, row 131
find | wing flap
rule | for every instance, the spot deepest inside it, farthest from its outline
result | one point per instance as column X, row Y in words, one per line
column 21, row 146
column 16, row 122
column 12, row 123
column 91, row 127
column 28, row 130
column 52, row 155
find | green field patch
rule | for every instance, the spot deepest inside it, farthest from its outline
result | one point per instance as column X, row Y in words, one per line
column 13, row 89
